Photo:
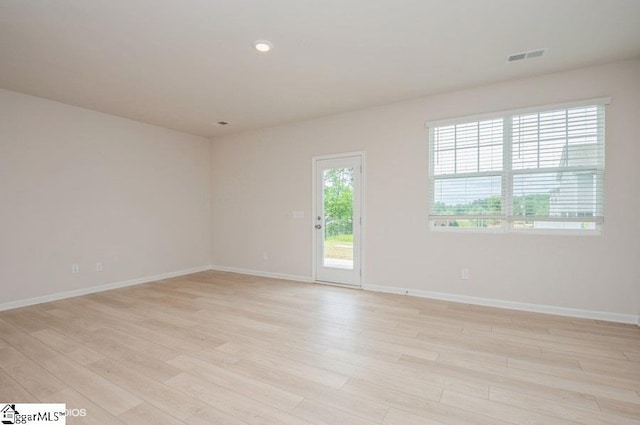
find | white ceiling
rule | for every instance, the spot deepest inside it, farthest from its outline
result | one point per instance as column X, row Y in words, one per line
column 188, row 64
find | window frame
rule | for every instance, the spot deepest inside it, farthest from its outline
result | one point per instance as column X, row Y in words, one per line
column 507, row 173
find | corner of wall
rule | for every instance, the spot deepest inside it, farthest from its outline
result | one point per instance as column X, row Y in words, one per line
column 210, row 206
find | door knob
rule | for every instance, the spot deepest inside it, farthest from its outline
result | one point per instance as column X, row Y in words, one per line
column 318, row 226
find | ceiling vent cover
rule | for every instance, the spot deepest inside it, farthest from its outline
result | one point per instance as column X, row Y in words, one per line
column 526, row 55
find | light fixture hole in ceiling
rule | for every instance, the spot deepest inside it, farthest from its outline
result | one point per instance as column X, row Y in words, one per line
column 263, row 46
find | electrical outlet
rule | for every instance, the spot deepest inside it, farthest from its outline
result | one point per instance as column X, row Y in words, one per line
column 75, row 268
column 464, row 273
column 99, row 267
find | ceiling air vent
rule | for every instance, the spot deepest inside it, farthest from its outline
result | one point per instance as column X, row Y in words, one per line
column 517, row 57
column 526, row 55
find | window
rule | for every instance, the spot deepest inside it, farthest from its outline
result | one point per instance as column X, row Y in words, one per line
column 540, row 169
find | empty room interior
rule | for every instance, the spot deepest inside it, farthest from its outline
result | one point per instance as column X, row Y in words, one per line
column 339, row 212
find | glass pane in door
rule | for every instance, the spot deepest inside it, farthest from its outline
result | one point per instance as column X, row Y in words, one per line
column 338, row 218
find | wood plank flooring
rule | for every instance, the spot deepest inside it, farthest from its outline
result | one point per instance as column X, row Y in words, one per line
column 222, row 348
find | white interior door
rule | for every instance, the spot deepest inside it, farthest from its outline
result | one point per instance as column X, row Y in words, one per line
column 337, row 219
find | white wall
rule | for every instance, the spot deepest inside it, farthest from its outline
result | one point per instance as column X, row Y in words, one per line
column 78, row 186
column 260, row 177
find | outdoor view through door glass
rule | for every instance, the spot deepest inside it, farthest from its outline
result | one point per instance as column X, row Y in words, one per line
column 338, row 217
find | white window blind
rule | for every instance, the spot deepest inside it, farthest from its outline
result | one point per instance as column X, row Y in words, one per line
column 467, row 164
column 533, row 170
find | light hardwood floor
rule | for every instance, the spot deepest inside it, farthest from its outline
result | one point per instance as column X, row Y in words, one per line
column 222, row 348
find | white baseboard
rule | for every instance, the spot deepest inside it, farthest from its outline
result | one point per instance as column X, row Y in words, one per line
column 489, row 302
column 262, row 273
column 510, row 305
column 92, row 289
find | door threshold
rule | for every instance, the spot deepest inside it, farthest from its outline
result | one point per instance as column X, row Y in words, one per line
column 340, row 285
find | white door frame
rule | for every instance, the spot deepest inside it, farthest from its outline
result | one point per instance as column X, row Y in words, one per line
column 314, row 231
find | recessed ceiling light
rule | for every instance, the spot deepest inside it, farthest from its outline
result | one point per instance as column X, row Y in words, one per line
column 262, row 46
